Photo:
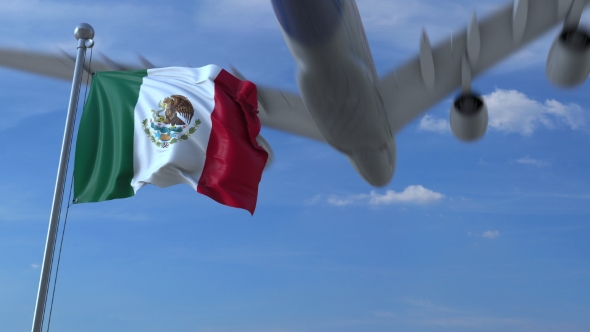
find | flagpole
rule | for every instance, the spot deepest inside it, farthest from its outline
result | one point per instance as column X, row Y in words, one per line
column 84, row 34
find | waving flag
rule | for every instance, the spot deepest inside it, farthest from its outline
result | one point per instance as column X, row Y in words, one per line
column 168, row 126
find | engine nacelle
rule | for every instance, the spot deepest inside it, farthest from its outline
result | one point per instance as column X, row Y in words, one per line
column 469, row 117
column 568, row 63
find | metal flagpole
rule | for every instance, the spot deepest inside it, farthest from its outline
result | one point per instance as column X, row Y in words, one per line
column 84, row 34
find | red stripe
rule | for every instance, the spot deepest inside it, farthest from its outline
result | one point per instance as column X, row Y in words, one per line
column 235, row 161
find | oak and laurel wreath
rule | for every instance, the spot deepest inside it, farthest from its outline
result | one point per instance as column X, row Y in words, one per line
column 183, row 137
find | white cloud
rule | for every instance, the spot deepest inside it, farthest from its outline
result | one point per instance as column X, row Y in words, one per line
column 340, row 201
column 35, row 266
column 25, row 17
column 531, row 161
column 512, row 111
column 490, row 234
column 401, row 22
column 430, row 123
column 414, row 194
column 237, row 15
column 35, row 10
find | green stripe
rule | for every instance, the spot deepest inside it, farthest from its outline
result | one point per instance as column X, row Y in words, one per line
column 103, row 168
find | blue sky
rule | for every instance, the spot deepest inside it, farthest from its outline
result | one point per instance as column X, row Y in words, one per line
column 490, row 236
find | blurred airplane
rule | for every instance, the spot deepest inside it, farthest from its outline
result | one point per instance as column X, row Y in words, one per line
column 344, row 103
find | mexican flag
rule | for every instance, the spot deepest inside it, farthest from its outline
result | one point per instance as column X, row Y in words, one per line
column 168, row 126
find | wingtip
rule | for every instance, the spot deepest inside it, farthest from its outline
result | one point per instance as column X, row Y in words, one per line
column 236, row 72
column 424, row 36
column 264, row 144
column 110, row 63
column 66, row 54
column 145, row 63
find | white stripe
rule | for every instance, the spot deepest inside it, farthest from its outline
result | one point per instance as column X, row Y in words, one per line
column 183, row 161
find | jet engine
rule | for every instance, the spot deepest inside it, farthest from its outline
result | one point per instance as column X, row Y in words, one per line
column 568, row 63
column 469, row 117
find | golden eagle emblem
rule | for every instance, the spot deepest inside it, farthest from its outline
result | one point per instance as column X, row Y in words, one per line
column 176, row 105
column 173, row 126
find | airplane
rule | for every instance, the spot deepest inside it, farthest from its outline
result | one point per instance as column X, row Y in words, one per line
column 343, row 101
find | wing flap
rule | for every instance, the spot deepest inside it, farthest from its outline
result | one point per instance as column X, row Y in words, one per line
column 285, row 111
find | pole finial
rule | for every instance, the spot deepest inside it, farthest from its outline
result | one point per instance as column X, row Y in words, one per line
column 84, row 31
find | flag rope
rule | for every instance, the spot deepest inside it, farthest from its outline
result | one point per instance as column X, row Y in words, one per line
column 63, row 231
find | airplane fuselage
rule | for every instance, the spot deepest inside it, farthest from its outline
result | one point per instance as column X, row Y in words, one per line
column 338, row 82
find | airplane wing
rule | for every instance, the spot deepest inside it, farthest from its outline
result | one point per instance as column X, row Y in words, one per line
column 59, row 65
column 285, row 111
column 280, row 109
column 413, row 88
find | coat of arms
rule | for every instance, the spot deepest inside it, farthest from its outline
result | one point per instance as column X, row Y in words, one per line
column 171, row 123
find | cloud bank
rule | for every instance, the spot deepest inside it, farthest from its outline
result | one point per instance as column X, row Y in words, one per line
column 531, row 161
column 414, row 194
column 430, row 123
column 511, row 111
column 490, row 234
